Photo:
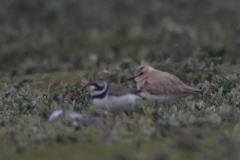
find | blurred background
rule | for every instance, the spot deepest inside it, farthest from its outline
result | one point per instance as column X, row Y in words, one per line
column 38, row 36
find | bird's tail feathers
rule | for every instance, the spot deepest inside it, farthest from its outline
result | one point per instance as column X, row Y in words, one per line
column 194, row 92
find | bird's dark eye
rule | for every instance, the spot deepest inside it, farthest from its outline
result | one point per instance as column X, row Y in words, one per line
column 141, row 73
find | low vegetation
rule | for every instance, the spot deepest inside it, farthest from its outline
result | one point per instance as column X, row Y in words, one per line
column 195, row 127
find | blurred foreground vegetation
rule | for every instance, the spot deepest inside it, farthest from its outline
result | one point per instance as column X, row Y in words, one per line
column 51, row 50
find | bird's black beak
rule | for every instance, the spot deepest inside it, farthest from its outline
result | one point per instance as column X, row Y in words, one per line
column 131, row 78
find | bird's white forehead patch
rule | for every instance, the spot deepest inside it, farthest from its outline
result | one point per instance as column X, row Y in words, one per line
column 92, row 87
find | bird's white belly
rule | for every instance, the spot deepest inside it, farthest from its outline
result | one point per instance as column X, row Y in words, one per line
column 116, row 103
column 162, row 98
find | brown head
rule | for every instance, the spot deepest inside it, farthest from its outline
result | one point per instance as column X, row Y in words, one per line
column 141, row 73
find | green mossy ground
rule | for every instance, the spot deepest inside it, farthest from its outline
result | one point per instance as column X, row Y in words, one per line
column 51, row 50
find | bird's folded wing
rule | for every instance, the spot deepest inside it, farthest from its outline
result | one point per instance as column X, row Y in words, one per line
column 118, row 90
column 164, row 84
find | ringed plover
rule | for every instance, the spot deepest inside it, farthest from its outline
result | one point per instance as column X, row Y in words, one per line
column 117, row 98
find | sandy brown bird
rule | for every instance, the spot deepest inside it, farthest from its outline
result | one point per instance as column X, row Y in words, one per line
column 161, row 87
column 114, row 97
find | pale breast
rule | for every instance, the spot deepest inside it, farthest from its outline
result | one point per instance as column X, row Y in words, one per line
column 116, row 103
column 140, row 84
